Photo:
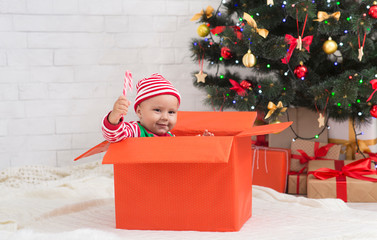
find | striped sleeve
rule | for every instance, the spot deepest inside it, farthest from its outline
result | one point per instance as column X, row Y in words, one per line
column 119, row 132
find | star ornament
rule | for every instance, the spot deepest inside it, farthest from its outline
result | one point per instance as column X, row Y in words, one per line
column 321, row 120
column 361, row 54
column 200, row 77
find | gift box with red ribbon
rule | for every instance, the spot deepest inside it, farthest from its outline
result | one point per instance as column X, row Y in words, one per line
column 303, row 151
column 270, row 167
column 297, row 182
column 349, row 180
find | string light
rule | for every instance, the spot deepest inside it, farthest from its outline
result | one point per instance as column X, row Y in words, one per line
column 359, row 113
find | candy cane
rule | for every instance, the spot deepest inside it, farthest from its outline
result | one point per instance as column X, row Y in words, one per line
column 127, row 82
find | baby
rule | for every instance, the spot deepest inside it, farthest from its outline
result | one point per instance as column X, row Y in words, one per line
column 156, row 105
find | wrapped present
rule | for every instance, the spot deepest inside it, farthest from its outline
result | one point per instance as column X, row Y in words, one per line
column 303, row 151
column 297, row 182
column 349, row 180
column 270, row 167
column 344, row 133
column 187, row 182
column 372, row 156
column 305, row 124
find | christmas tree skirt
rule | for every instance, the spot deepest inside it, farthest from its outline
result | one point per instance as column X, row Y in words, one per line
column 77, row 203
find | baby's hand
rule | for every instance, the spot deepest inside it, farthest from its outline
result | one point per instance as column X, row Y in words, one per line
column 207, row 133
column 120, row 108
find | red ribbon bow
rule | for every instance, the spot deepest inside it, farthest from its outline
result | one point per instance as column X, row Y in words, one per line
column 306, row 42
column 319, row 153
column 240, row 88
column 355, row 169
column 220, row 29
column 374, row 86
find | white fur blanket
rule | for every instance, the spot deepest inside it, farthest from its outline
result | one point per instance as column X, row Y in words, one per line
column 77, row 203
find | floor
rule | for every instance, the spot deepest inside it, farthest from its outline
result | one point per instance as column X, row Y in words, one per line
column 364, row 206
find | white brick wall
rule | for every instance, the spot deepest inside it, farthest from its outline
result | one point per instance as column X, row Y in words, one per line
column 62, row 64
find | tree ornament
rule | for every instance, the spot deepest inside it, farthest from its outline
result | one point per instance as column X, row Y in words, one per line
column 374, row 86
column 226, row 53
column 200, row 77
column 373, row 111
column 261, row 31
column 203, row 30
column 301, row 70
column 335, row 57
column 276, row 121
column 249, row 60
column 321, row 120
column 329, row 46
column 240, row 88
column 272, row 108
column 322, row 16
column 373, row 11
column 299, row 43
column 208, row 13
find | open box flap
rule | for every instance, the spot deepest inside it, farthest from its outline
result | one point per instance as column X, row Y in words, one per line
column 219, row 123
column 102, row 147
column 174, row 150
column 265, row 129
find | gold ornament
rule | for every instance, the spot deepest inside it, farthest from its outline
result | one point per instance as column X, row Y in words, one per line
column 276, row 121
column 261, row 31
column 272, row 107
column 203, row 30
column 329, row 46
column 324, row 15
column 321, row 120
column 249, row 59
column 209, row 11
column 200, row 77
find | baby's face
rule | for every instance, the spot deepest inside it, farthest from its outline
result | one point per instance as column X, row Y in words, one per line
column 158, row 114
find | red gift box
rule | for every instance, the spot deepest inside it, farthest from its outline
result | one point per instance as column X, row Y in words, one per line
column 270, row 167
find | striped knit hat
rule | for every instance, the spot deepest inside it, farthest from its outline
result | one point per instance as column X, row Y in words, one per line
column 154, row 86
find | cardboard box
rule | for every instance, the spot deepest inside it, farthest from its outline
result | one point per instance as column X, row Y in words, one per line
column 270, row 167
column 305, row 125
column 344, row 134
column 348, row 189
column 297, row 183
column 303, row 151
column 187, row 182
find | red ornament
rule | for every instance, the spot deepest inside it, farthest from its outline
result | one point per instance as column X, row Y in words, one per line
column 373, row 11
column 301, row 71
column 226, row 53
column 373, row 111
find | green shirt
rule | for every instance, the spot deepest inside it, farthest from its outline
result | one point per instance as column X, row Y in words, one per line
column 145, row 133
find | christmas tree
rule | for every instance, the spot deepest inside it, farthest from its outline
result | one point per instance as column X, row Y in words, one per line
column 316, row 54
